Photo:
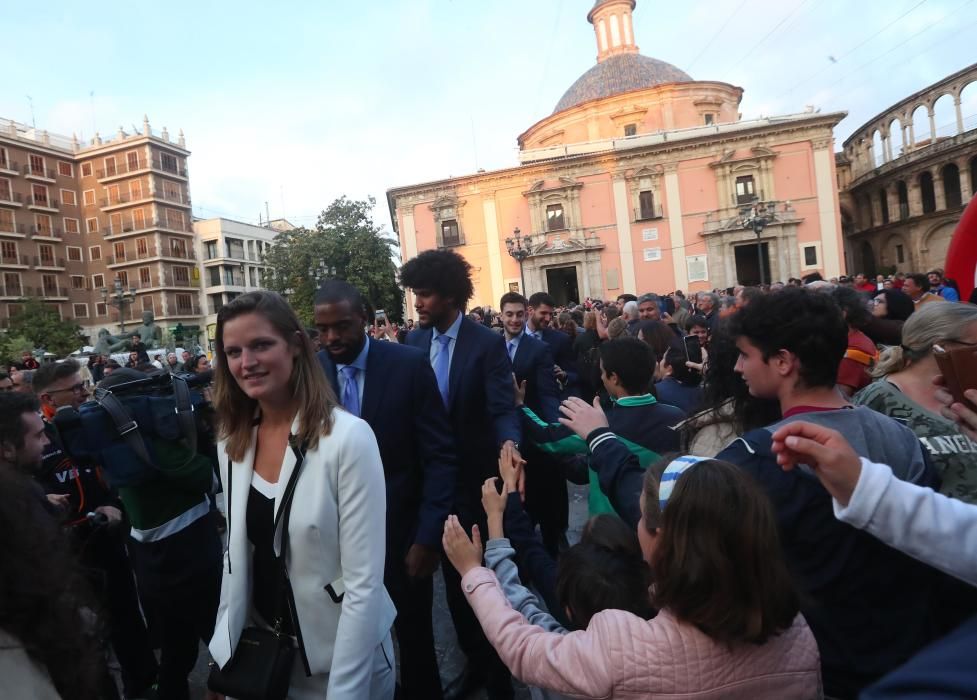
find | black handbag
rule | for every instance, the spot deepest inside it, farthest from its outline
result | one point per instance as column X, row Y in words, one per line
column 261, row 667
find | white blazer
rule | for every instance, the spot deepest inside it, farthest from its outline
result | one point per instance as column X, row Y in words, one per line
column 336, row 531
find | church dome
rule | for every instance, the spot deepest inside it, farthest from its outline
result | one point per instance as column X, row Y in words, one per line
column 617, row 74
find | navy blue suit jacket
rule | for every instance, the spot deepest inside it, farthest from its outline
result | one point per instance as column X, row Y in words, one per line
column 562, row 348
column 402, row 404
column 533, row 364
column 481, row 404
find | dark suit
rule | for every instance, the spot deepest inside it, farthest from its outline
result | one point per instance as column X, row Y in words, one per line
column 481, row 410
column 402, row 404
column 562, row 348
column 546, row 490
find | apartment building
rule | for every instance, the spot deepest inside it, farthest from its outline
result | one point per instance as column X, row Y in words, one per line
column 230, row 254
column 75, row 217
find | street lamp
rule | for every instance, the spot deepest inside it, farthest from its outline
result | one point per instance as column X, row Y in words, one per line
column 757, row 217
column 119, row 298
column 520, row 253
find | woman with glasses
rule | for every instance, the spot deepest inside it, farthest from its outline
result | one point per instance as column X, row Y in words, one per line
column 893, row 305
column 904, row 390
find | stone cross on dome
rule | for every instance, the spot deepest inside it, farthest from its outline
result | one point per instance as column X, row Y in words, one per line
column 612, row 27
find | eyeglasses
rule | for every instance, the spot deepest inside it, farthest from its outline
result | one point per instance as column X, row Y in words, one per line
column 78, row 388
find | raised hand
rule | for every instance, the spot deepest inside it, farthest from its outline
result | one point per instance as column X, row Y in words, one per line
column 463, row 553
column 581, row 417
column 493, row 503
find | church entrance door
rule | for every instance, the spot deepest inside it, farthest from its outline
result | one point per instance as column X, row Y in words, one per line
column 561, row 283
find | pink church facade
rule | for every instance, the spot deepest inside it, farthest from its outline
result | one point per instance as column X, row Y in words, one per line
column 642, row 180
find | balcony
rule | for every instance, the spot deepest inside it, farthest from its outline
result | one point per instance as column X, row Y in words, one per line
column 122, row 169
column 44, row 175
column 176, row 169
column 123, row 199
column 15, row 230
column 171, row 280
column 15, row 261
column 9, row 167
column 11, row 199
column 191, row 311
column 42, row 203
column 180, row 254
column 648, row 213
column 128, row 229
column 49, row 263
column 53, row 293
column 13, row 292
column 53, row 234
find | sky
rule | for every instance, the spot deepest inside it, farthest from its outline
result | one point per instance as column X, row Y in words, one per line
column 298, row 103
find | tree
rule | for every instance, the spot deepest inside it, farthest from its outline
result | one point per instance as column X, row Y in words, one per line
column 12, row 347
column 345, row 244
column 41, row 325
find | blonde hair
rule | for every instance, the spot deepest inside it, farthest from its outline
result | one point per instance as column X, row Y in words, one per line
column 235, row 410
column 930, row 325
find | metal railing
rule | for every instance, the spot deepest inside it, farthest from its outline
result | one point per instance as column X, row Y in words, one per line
column 13, row 228
column 122, row 168
column 48, row 262
column 34, row 201
column 40, row 232
column 9, row 164
column 15, row 259
column 648, row 213
column 27, row 170
column 11, row 197
column 184, row 254
column 19, row 292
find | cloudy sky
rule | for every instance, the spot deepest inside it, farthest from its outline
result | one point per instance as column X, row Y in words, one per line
column 297, row 103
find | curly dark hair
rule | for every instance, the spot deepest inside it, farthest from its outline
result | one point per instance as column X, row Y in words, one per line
column 807, row 324
column 42, row 592
column 898, row 305
column 853, row 304
column 442, row 271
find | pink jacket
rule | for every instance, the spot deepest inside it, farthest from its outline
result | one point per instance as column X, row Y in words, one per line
column 620, row 655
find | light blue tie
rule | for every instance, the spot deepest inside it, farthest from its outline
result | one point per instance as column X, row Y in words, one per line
column 442, row 365
column 351, row 391
column 538, row 334
column 512, row 350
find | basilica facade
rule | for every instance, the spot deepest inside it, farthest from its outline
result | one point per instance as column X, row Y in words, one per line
column 641, row 180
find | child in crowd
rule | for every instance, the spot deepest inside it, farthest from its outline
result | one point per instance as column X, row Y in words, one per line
column 729, row 623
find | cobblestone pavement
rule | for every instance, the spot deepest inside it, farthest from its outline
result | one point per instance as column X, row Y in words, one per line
column 450, row 658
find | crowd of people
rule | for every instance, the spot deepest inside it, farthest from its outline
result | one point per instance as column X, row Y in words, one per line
column 782, row 501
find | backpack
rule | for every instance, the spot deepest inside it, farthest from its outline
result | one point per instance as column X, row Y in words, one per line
column 123, row 428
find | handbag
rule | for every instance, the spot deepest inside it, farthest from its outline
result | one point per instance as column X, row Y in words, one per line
column 261, row 666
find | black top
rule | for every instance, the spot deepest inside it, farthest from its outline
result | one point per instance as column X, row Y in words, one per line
column 268, row 593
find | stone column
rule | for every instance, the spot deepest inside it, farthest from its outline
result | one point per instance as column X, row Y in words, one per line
column 494, row 245
column 938, row 192
column 966, row 186
column 892, row 197
column 956, row 105
column 932, row 116
column 914, row 195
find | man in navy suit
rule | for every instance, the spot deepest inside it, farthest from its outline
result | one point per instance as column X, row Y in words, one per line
column 532, row 365
column 474, row 377
column 540, row 318
column 392, row 388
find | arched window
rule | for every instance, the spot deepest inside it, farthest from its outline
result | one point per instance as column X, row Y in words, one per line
column 896, row 145
column 926, row 192
column 951, row 185
column 878, row 150
column 921, row 125
column 945, row 117
column 903, row 193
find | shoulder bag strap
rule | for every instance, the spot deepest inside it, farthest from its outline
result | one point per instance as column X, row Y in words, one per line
column 126, row 426
column 184, row 412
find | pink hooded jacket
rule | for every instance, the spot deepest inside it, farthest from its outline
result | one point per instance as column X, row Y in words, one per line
column 620, row 655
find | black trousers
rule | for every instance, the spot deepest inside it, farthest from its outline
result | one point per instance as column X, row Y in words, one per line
column 482, row 659
column 179, row 584
column 109, row 569
column 547, row 498
column 414, row 600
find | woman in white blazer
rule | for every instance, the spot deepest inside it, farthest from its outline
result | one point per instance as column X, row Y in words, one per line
column 273, row 402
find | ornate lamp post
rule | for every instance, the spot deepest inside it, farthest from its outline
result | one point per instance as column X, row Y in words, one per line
column 119, row 298
column 757, row 217
column 516, row 250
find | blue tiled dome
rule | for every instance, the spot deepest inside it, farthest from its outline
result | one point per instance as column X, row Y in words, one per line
column 617, row 74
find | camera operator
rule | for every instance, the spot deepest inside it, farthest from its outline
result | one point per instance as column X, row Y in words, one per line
column 175, row 550
column 91, row 513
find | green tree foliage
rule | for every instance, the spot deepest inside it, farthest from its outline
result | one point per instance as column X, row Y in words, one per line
column 345, row 244
column 12, row 346
column 41, row 325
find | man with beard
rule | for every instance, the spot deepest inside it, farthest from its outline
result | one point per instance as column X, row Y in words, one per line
column 474, row 378
column 392, row 387
column 539, row 325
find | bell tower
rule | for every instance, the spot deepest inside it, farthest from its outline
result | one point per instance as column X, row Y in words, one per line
column 612, row 27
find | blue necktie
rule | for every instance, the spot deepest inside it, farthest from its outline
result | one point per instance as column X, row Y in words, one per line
column 442, row 365
column 351, row 391
column 512, row 350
